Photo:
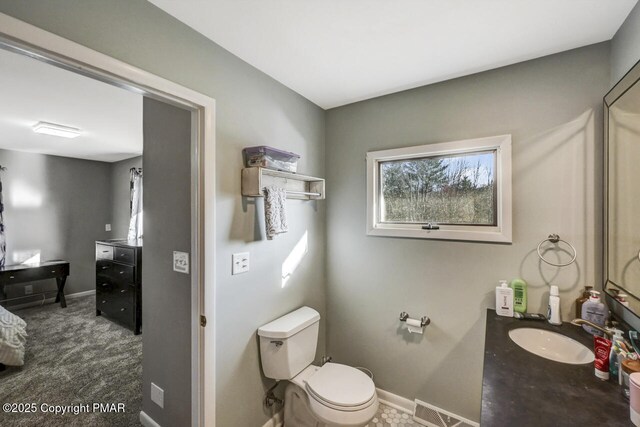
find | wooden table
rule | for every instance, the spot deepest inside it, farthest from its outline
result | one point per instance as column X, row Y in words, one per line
column 22, row 273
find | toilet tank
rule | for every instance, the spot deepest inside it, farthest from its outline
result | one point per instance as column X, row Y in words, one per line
column 288, row 344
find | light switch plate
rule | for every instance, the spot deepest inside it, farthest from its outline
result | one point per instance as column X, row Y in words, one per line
column 157, row 395
column 107, row 227
column 181, row 262
column 240, row 263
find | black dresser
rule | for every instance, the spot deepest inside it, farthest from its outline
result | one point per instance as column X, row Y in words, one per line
column 119, row 282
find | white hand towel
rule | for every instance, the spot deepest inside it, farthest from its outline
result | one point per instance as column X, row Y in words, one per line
column 274, row 211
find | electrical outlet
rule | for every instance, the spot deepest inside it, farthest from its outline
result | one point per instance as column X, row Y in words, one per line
column 157, row 395
column 107, row 227
column 240, row 263
column 28, row 290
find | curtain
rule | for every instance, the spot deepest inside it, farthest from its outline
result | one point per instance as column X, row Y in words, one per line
column 135, row 223
column 3, row 241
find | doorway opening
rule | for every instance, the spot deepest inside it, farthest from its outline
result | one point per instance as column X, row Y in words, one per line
column 161, row 97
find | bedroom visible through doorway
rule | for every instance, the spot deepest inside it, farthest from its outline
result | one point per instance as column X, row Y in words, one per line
column 72, row 289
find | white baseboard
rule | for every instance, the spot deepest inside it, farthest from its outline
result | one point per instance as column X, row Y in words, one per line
column 276, row 421
column 385, row 397
column 80, row 294
column 397, row 402
column 52, row 299
column 147, row 421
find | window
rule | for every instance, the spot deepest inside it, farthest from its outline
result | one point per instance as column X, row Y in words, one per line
column 454, row 190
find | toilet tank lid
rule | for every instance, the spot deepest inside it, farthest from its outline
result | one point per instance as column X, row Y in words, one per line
column 290, row 324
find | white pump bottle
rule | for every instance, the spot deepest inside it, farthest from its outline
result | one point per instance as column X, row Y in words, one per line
column 553, row 313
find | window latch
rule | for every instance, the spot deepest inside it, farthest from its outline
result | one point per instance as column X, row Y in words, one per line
column 430, row 226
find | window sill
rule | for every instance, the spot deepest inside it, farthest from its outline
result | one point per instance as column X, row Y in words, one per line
column 467, row 234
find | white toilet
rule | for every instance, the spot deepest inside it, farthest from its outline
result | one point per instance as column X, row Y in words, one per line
column 331, row 395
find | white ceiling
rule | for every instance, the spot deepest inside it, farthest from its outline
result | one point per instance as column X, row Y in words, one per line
column 109, row 118
column 335, row 52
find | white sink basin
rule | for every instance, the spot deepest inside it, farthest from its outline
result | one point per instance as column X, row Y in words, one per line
column 551, row 345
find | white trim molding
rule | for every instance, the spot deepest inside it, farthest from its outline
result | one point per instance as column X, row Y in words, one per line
column 276, row 421
column 42, row 45
column 394, row 401
column 500, row 233
column 51, row 299
column 80, row 294
column 147, row 421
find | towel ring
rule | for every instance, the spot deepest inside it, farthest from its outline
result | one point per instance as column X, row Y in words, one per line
column 554, row 238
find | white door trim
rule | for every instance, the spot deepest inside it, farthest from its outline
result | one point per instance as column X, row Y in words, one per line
column 43, row 45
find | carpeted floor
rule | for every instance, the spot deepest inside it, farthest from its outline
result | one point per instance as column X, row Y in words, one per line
column 74, row 358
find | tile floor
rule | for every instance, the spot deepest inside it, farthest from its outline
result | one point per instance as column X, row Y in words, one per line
column 390, row 417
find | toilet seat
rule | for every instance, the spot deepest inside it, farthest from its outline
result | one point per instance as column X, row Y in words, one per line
column 341, row 387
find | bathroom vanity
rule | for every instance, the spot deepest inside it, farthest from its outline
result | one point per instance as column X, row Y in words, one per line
column 523, row 389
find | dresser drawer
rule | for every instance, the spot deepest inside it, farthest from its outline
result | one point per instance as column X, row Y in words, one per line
column 107, row 285
column 36, row 273
column 19, row 276
column 116, row 305
column 104, row 252
column 56, row 270
column 125, row 255
column 114, row 271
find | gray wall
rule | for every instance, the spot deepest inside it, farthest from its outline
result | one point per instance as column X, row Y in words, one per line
column 552, row 108
column 120, row 195
column 58, row 206
column 252, row 109
column 625, row 46
column 166, row 294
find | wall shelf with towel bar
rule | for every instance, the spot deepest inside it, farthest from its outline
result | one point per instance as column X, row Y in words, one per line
column 297, row 186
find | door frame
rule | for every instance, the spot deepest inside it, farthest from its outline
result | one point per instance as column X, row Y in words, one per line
column 42, row 45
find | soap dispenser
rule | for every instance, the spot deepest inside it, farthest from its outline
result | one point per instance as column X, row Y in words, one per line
column 519, row 287
column 582, row 299
column 595, row 312
column 553, row 313
column 504, row 299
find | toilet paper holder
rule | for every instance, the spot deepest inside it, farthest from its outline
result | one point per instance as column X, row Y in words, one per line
column 424, row 320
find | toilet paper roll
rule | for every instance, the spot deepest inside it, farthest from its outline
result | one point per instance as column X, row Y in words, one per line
column 414, row 326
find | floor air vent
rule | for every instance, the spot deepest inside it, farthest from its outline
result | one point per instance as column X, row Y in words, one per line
column 432, row 416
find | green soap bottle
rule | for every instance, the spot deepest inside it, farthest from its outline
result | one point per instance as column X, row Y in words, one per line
column 519, row 287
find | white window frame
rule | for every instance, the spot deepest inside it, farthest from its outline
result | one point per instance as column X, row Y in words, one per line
column 501, row 233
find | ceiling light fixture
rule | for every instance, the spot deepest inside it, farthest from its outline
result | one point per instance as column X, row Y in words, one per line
column 56, row 130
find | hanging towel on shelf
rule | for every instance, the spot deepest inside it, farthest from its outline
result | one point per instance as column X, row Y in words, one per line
column 135, row 205
column 3, row 239
column 274, row 211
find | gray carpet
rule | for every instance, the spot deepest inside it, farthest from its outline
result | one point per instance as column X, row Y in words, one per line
column 74, row 357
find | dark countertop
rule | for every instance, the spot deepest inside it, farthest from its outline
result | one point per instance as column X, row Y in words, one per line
column 520, row 388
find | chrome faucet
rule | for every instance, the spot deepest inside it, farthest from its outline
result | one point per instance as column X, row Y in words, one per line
column 580, row 322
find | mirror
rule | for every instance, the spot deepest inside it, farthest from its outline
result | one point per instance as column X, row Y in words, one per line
column 622, row 197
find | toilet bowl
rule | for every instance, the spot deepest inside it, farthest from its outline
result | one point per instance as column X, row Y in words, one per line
column 333, row 395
